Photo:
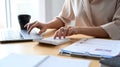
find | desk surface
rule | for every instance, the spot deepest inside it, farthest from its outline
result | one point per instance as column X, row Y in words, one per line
column 34, row 48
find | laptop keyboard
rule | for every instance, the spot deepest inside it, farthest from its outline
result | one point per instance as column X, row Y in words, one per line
column 32, row 35
column 25, row 35
column 17, row 35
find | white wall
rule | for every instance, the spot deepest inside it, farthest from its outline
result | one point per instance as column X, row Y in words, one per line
column 53, row 8
column 41, row 10
column 30, row 7
column 2, row 14
column 57, row 6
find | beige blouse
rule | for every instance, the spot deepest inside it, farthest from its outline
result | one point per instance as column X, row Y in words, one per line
column 90, row 13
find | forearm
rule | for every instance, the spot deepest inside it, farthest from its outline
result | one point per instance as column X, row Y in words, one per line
column 93, row 31
column 55, row 24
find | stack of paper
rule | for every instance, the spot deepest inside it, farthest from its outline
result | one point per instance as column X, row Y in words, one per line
column 94, row 48
column 14, row 60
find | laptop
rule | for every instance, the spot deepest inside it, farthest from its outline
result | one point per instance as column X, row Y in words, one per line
column 10, row 35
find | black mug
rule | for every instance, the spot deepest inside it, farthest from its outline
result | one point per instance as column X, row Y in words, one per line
column 23, row 20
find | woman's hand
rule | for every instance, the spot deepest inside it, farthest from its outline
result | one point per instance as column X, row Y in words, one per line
column 65, row 31
column 36, row 24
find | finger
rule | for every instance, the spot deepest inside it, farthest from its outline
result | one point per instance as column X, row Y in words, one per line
column 28, row 25
column 56, row 35
column 70, row 31
column 60, row 33
column 65, row 32
column 31, row 26
column 41, row 31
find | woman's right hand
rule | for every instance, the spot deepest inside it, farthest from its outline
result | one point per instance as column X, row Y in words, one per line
column 65, row 31
column 36, row 24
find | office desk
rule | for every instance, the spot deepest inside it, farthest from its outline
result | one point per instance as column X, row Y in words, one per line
column 34, row 48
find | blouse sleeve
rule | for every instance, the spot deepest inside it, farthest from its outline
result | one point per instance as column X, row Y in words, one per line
column 113, row 28
column 66, row 14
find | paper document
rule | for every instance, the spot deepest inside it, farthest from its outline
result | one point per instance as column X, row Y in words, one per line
column 53, row 61
column 94, row 47
column 15, row 60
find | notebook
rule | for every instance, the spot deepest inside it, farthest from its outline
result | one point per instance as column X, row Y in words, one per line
column 16, row 60
column 10, row 35
column 52, row 41
column 93, row 47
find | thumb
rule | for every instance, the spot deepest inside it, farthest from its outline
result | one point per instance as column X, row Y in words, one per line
column 42, row 31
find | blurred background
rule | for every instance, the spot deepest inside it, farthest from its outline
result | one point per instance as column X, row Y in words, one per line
column 41, row 10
